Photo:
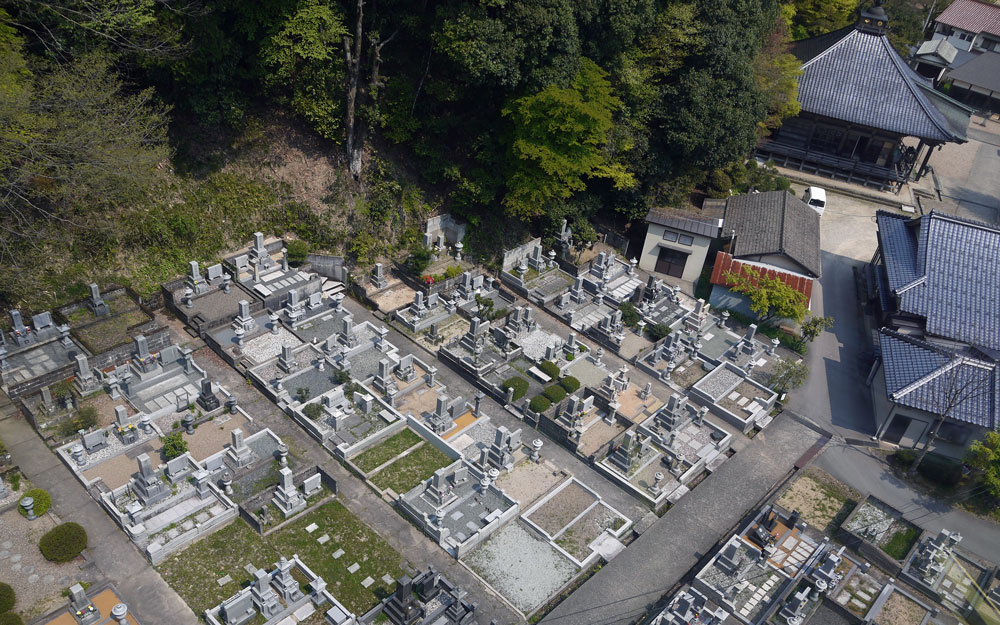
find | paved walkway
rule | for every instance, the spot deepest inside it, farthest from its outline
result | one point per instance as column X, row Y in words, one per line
column 625, row 589
column 148, row 597
column 869, row 474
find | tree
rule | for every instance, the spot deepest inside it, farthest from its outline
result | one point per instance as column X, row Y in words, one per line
column 788, row 375
column 984, row 456
column 814, row 326
column 770, row 297
column 959, row 381
column 817, row 17
column 301, row 56
column 174, row 445
column 630, row 316
column 560, row 137
column 777, row 72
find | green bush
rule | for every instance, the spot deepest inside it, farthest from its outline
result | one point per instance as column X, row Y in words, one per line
column 935, row 468
column 570, row 383
column 539, row 404
column 297, row 251
column 571, row 357
column 453, row 271
column 85, row 419
column 905, row 457
column 14, row 477
column 657, row 331
column 718, row 184
column 630, row 316
column 11, row 618
column 550, row 369
column 555, row 393
column 420, row 258
column 581, row 348
column 174, row 445
column 314, row 411
column 63, row 542
column 6, row 597
column 519, row 384
column 42, row 501
column 900, row 543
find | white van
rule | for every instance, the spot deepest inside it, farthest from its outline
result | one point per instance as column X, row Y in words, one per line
column 815, row 197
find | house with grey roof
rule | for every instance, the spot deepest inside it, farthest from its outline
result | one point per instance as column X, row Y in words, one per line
column 977, row 81
column 970, row 25
column 935, row 284
column 859, row 101
column 933, row 57
column 678, row 241
column 774, row 232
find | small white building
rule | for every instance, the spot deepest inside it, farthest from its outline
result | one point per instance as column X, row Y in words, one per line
column 677, row 241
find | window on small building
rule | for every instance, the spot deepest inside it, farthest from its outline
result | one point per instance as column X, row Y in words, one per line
column 669, row 235
column 685, row 239
column 966, row 36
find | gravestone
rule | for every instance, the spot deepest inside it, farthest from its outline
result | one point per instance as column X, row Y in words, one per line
column 287, row 498
column 244, row 319
column 215, row 272
column 206, row 398
column 96, row 303
column 294, row 307
column 312, row 484
column 379, row 280
column 285, row 582
column 286, row 361
column 142, row 358
column 23, row 336
column 81, row 607
column 146, row 485
column 315, row 300
column 194, row 280
column 178, row 468
column 126, row 431
column 264, row 597
column 238, row 610
column 94, row 441
column 239, row 454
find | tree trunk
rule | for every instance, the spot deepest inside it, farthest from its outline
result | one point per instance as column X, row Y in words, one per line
column 931, row 437
column 352, row 58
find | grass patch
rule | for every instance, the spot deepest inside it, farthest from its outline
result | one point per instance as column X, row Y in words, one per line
column 104, row 335
column 385, row 451
column 823, row 501
column 899, row 544
column 194, row 571
column 401, row 476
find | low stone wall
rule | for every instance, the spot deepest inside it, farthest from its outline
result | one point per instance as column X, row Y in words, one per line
column 247, row 507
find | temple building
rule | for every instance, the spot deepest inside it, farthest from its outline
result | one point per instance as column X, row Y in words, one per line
column 860, row 100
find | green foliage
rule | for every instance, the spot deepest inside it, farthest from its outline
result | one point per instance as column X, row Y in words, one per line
column 302, row 394
column 758, row 177
column 420, row 258
column 11, row 618
column 984, row 456
column 15, row 480
column 42, row 501
column 539, row 404
column 6, row 597
column 555, row 393
column 297, row 251
column 718, row 184
column 519, row 384
column 85, row 419
column 769, row 296
column 657, row 331
column 303, row 57
column 63, row 542
column 900, row 543
column 559, row 138
column 174, row 445
column 550, row 369
column 814, row 326
column 817, row 17
column 453, row 271
column 313, row 411
column 630, row 316
column 570, row 383
column 788, row 375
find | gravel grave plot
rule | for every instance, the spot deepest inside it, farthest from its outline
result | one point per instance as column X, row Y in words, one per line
column 577, row 536
column 522, row 567
column 562, row 508
column 900, row 610
column 529, row 481
column 819, row 498
column 693, row 371
column 718, row 384
column 745, row 389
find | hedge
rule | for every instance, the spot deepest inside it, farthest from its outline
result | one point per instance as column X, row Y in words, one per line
column 539, row 404
column 550, row 369
column 63, row 542
column 11, row 618
column 570, row 383
column 42, row 502
column 555, row 393
column 519, row 384
column 6, row 597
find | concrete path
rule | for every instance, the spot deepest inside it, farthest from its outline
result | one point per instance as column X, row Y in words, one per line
column 625, row 589
column 866, row 473
column 148, row 597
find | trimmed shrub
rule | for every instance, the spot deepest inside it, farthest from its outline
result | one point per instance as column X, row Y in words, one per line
column 630, row 316
column 570, row 383
column 42, row 501
column 555, row 393
column 657, row 331
column 6, row 597
column 63, row 542
column 519, row 384
column 550, row 369
column 539, row 404
column 11, row 618
column 174, row 445
column 313, row 411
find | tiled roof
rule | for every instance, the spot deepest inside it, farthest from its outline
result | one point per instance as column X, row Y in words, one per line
column 973, row 16
column 707, row 226
column 775, row 222
column 861, row 79
column 724, row 264
column 981, row 71
column 930, row 378
column 947, row 270
column 940, row 48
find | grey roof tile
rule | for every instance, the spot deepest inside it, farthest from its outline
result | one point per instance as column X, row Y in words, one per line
column 982, row 71
column 775, row 222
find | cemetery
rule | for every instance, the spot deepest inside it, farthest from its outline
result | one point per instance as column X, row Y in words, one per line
column 690, row 607
column 288, row 590
column 36, row 354
column 263, row 269
column 944, row 572
column 358, row 566
column 822, row 501
column 428, row 594
column 881, row 533
column 738, row 400
column 159, row 384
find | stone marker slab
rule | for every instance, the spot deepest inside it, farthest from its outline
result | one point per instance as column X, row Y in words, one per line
column 249, row 568
column 388, row 579
column 312, row 527
column 222, row 581
column 338, row 553
column 353, row 568
column 304, row 612
column 367, row 582
column 323, row 539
